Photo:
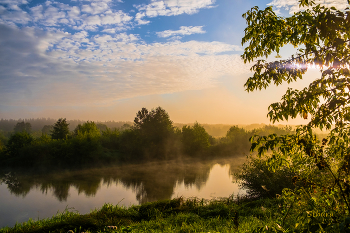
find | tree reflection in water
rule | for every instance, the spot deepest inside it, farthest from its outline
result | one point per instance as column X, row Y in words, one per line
column 151, row 181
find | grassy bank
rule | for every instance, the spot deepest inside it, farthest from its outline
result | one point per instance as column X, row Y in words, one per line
column 177, row 215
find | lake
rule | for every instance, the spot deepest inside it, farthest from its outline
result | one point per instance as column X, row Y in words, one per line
column 25, row 195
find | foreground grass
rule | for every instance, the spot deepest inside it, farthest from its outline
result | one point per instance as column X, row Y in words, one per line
column 177, row 215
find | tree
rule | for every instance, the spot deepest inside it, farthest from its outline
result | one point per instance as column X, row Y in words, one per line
column 23, row 127
column 322, row 37
column 195, row 139
column 87, row 128
column 154, row 128
column 155, row 123
column 101, row 127
column 60, row 129
column 18, row 141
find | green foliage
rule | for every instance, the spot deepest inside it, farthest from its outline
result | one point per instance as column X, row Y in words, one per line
column 237, row 140
column 23, row 127
column 87, row 128
column 110, row 138
column 157, row 120
column 155, row 129
column 3, row 141
column 85, row 147
column 60, row 129
column 321, row 36
column 18, row 141
column 128, row 139
column 195, row 139
column 177, row 215
column 259, row 181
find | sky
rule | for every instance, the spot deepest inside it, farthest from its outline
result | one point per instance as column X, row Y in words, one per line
column 104, row 60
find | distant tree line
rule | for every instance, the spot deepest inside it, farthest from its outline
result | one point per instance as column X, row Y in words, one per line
column 37, row 124
column 152, row 136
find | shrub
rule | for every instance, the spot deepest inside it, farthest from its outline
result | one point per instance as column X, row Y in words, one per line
column 17, row 141
column 260, row 182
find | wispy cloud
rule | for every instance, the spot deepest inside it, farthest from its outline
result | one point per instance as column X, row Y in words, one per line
column 89, row 16
column 182, row 31
column 57, row 54
column 107, row 69
column 170, row 8
column 293, row 5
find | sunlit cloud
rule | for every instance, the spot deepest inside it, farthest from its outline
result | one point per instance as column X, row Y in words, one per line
column 54, row 70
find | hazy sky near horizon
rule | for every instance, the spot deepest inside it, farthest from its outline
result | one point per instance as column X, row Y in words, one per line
column 106, row 59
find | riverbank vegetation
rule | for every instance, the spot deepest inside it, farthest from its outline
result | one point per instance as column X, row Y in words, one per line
column 177, row 215
column 151, row 137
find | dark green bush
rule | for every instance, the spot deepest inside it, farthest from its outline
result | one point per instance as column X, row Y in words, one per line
column 18, row 141
column 260, row 182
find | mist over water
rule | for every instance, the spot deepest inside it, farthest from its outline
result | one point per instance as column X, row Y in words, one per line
column 37, row 195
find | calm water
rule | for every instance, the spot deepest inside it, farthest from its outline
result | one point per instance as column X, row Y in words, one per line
column 24, row 196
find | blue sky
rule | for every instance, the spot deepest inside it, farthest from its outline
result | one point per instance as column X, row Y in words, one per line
column 106, row 59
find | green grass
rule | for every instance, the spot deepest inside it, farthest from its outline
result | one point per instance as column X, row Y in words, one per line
column 177, row 215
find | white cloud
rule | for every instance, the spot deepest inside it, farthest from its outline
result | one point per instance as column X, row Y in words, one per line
column 118, row 19
column 40, row 66
column 109, row 30
column 37, row 12
column 170, row 8
column 14, row 7
column 73, row 14
column 293, row 5
column 11, row 17
column 86, row 9
column 15, row 2
column 182, row 31
column 52, row 16
column 91, row 16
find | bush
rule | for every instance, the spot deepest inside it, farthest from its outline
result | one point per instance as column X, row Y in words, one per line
column 18, row 141
column 88, row 127
column 260, row 182
column 110, row 138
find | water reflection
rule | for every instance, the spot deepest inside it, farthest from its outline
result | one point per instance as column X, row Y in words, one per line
column 146, row 182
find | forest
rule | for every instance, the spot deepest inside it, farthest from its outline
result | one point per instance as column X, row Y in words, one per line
column 152, row 136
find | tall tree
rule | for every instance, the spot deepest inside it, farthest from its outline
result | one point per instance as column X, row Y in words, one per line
column 156, row 122
column 60, row 129
column 322, row 37
column 23, row 127
column 154, row 128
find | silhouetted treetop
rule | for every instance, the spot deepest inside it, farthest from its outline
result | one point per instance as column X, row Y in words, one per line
column 60, row 129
